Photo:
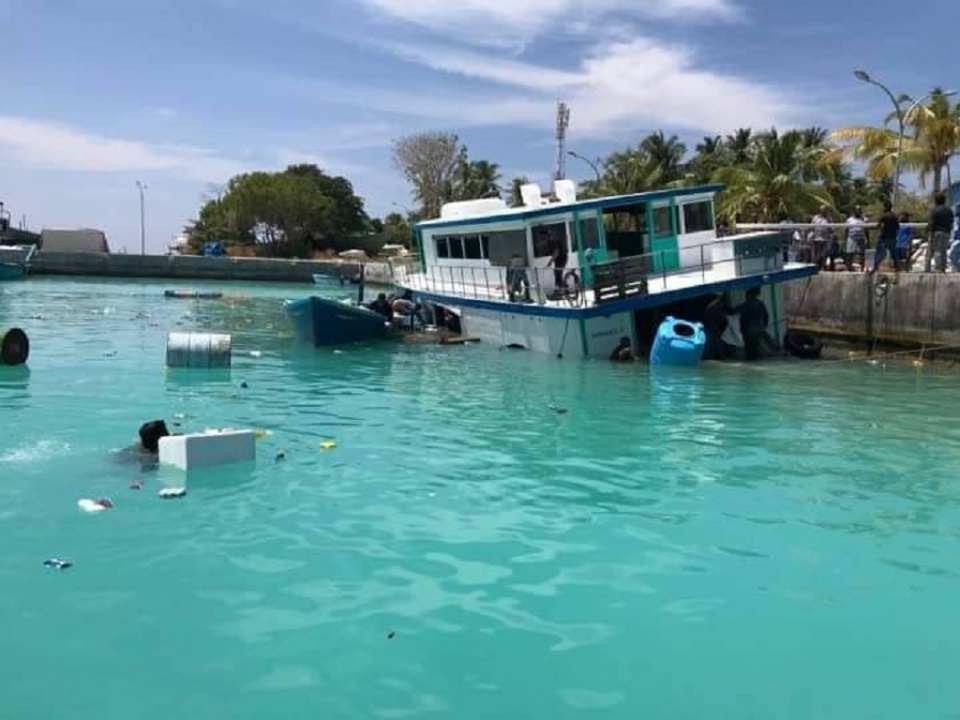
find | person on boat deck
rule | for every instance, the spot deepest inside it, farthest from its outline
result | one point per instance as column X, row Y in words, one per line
column 754, row 320
column 382, row 305
column 517, row 276
column 558, row 260
column 623, row 352
column 715, row 322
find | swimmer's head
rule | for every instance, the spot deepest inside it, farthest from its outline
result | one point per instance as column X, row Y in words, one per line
column 150, row 434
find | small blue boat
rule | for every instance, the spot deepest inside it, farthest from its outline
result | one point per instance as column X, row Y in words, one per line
column 327, row 321
column 678, row 342
column 12, row 271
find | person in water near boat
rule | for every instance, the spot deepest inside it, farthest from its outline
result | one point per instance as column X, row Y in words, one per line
column 715, row 323
column 382, row 305
column 623, row 352
column 754, row 320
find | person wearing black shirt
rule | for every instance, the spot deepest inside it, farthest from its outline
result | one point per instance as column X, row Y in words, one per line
column 939, row 228
column 889, row 225
column 558, row 259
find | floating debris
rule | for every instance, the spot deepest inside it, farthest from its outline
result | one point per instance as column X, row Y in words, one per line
column 391, row 635
column 558, row 410
column 328, row 444
column 137, row 485
column 57, row 563
column 98, row 505
column 243, row 385
column 280, row 456
column 172, row 493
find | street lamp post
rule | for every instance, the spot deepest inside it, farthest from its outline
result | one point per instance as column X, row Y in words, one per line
column 589, row 162
column 864, row 76
column 143, row 228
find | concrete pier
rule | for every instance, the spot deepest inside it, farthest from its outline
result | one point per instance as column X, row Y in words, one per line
column 194, row 267
column 905, row 309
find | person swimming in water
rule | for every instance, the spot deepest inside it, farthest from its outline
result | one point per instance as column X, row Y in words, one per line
column 147, row 451
column 623, row 352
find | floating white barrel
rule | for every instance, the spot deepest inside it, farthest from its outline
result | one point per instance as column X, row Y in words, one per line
column 209, row 448
column 198, row 350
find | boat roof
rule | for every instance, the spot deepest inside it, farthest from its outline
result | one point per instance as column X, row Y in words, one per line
column 526, row 212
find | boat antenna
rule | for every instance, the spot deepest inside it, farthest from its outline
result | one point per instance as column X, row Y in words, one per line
column 563, row 122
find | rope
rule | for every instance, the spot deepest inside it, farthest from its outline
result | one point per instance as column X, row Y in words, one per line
column 863, row 355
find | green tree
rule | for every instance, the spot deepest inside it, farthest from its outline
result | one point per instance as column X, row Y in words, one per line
column 778, row 182
column 290, row 213
column 397, row 230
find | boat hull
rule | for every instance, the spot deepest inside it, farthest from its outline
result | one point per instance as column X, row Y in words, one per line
column 324, row 321
column 12, row 271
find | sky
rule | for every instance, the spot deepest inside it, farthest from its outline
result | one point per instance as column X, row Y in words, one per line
column 183, row 94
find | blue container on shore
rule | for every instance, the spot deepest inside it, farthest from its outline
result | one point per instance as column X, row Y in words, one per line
column 678, row 343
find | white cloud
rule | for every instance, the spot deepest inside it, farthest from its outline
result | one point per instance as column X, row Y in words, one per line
column 50, row 145
column 517, row 21
column 617, row 88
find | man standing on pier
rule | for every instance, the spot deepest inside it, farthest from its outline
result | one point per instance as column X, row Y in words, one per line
column 939, row 228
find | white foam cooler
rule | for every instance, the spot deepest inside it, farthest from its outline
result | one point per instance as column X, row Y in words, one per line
column 209, row 448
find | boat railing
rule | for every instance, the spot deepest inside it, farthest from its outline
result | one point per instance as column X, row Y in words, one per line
column 734, row 256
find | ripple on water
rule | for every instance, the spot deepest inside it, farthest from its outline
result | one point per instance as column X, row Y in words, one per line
column 466, row 551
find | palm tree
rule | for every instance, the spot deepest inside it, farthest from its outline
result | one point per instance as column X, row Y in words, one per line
column 666, row 152
column 932, row 138
column 740, row 145
column 475, row 179
column 516, row 196
column 781, row 181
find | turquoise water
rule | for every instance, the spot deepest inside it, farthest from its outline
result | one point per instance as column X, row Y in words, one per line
column 766, row 542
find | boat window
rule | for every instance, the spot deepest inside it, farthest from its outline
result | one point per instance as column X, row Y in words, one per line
column 662, row 225
column 456, row 247
column 485, row 245
column 443, row 249
column 547, row 237
column 589, row 233
column 471, row 247
column 502, row 245
column 698, row 216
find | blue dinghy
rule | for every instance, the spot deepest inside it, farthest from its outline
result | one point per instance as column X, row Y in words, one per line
column 326, row 321
column 678, row 342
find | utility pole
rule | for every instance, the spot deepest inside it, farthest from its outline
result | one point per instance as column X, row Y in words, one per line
column 143, row 228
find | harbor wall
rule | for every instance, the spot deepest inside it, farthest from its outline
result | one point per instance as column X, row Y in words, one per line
column 909, row 309
column 193, row 267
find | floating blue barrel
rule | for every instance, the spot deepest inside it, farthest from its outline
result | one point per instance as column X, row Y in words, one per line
column 678, row 342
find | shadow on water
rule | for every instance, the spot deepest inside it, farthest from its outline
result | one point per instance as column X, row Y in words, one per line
column 14, row 387
column 221, row 481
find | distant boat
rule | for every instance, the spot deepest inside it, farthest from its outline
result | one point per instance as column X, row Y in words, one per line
column 325, row 279
column 326, row 321
column 15, row 261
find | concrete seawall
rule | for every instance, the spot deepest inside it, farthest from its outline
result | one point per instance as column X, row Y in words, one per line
column 909, row 309
column 185, row 267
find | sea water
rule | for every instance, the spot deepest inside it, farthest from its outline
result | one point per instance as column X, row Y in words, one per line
column 769, row 541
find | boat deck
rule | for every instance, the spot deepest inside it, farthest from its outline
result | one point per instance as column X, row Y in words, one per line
column 484, row 285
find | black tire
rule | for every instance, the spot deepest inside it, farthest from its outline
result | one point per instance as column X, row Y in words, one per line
column 804, row 345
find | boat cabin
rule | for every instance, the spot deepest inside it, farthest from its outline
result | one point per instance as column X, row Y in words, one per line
column 671, row 230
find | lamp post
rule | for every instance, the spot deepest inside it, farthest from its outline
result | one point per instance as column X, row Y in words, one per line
column 864, row 76
column 143, row 228
column 592, row 164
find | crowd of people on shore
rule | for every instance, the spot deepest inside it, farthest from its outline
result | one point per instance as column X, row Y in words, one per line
column 895, row 237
